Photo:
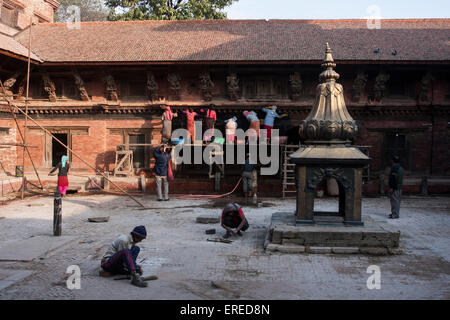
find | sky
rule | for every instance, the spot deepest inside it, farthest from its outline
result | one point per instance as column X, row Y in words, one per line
column 338, row 9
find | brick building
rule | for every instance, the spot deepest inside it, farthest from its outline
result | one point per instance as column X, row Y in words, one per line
column 100, row 85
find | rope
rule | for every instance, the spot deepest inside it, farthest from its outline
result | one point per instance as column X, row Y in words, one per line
column 183, row 196
column 208, row 196
column 100, row 187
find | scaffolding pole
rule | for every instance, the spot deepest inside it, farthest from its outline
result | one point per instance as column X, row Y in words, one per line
column 26, row 110
column 21, row 136
column 73, row 152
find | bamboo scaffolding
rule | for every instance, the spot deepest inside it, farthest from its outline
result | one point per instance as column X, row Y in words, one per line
column 10, row 145
column 26, row 111
column 11, row 104
column 21, row 136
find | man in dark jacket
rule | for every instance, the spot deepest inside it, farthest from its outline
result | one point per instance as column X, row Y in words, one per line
column 395, row 185
column 161, row 168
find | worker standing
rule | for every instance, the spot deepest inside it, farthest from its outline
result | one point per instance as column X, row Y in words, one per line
column 247, row 177
column 161, row 170
column 253, row 119
column 210, row 120
column 190, row 115
column 230, row 129
column 271, row 114
column 63, row 170
column 166, row 118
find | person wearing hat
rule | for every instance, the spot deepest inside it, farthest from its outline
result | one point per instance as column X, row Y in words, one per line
column 233, row 217
column 269, row 120
column 120, row 258
column 395, row 185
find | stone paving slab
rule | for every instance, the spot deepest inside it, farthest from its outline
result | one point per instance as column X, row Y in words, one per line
column 283, row 230
column 208, row 219
column 29, row 249
column 9, row 277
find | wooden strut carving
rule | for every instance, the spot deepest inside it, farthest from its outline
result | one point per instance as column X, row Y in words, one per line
column 80, row 86
column 233, row 87
column 425, row 85
column 206, row 86
column 9, row 83
column 49, row 87
column 111, row 88
column 152, row 86
column 358, row 85
column 295, row 81
column 380, row 86
column 174, row 81
column 21, row 89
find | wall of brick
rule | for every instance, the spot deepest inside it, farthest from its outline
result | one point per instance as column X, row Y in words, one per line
column 441, row 146
column 8, row 155
column 96, row 148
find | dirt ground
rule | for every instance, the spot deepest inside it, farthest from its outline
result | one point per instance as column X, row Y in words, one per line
column 190, row 267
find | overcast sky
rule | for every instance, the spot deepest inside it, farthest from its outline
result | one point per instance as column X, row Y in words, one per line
column 338, row 9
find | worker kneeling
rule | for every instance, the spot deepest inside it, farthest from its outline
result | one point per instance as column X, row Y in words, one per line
column 233, row 217
column 120, row 258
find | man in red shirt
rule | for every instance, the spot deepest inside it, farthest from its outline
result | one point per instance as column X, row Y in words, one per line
column 233, row 217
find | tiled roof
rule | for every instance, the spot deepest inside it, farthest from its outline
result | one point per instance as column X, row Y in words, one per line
column 241, row 40
column 7, row 43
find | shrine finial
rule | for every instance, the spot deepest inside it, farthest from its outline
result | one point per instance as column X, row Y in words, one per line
column 328, row 63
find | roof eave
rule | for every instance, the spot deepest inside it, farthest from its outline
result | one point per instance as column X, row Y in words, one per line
column 225, row 62
column 19, row 57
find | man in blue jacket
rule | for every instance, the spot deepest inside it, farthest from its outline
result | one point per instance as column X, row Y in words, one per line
column 269, row 120
column 162, row 158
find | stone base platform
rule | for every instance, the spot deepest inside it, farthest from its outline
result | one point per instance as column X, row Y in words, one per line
column 330, row 235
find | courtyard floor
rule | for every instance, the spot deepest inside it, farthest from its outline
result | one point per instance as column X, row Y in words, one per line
column 190, row 267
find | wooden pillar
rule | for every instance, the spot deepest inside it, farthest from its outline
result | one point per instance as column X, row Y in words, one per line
column 106, row 181
column 57, row 214
column 353, row 200
column 305, row 200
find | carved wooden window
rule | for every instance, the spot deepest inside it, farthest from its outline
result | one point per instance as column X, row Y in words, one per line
column 132, row 88
column 398, row 88
column 36, row 89
column 65, row 88
column 265, row 88
column 4, row 131
column 447, row 87
column 131, row 137
column 396, row 144
column 138, row 151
